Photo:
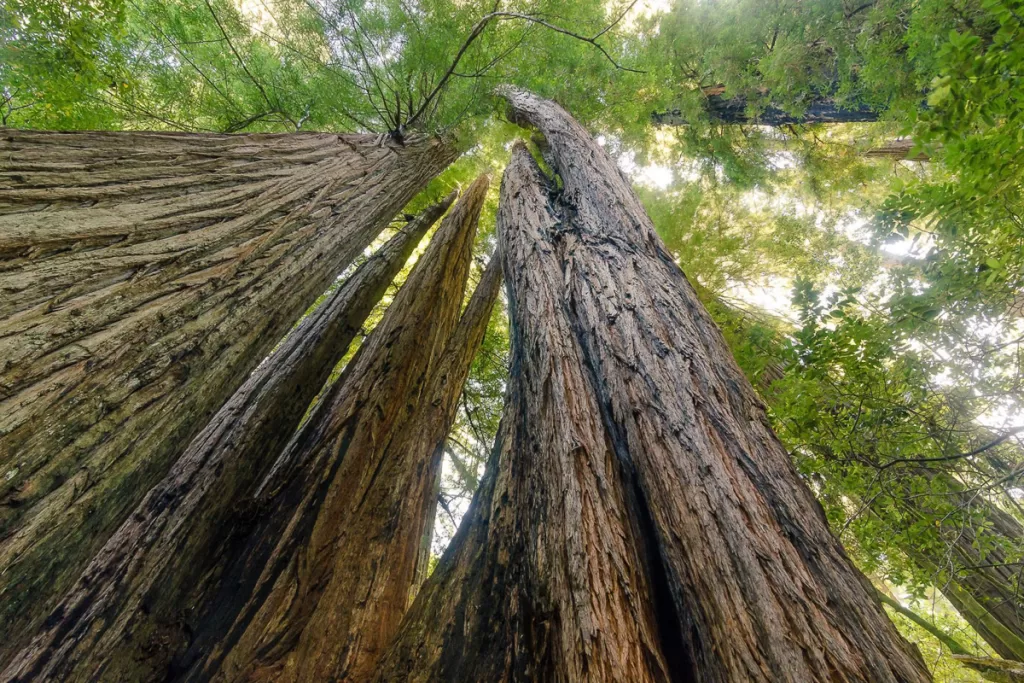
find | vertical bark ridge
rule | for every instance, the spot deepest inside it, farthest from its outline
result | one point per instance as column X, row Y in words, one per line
column 768, row 592
column 281, row 615
column 144, row 276
column 132, row 597
column 544, row 580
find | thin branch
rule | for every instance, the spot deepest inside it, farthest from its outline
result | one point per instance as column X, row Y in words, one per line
column 177, row 48
column 942, row 636
column 241, row 62
column 945, row 458
column 612, row 25
column 478, row 29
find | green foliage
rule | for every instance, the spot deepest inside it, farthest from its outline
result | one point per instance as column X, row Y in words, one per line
column 54, row 55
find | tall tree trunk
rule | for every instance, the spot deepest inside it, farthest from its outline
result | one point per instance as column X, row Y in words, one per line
column 144, row 276
column 980, row 577
column 976, row 563
column 171, row 540
column 432, row 426
column 639, row 520
column 896, row 149
column 323, row 578
column 734, row 111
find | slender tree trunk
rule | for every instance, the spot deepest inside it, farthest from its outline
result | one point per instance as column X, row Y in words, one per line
column 144, row 276
column 734, row 111
column 639, row 520
column 976, row 563
column 980, row 576
column 170, row 542
column 435, row 422
column 896, row 149
column 323, row 578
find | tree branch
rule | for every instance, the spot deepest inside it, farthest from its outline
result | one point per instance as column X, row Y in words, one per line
column 945, row 458
column 478, row 29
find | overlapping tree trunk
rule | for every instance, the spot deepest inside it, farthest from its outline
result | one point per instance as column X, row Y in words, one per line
column 325, row 573
column 144, row 275
column 735, row 111
column 639, row 520
column 979, row 576
column 171, row 542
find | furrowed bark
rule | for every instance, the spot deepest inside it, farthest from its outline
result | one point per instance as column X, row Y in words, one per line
column 744, row 546
column 545, row 578
column 131, row 602
column 144, row 276
column 318, row 580
column 739, row 578
column 435, row 422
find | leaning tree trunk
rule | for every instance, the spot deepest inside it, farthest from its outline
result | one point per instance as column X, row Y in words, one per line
column 976, row 563
column 979, row 575
column 170, row 542
column 313, row 588
column 734, row 111
column 639, row 521
column 144, row 276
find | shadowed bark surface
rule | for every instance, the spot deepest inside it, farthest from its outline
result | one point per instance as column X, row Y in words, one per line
column 316, row 588
column 170, row 542
column 640, row 520
column 540, row 580
column 144, row 275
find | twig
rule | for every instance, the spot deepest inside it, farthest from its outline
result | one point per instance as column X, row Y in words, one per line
column 241, row 62
column 478, row 29
column 945, row 458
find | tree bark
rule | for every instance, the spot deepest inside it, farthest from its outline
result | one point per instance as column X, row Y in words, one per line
column 171, row 540
column 639, row 520
column 144, row 276
column 896, row 149
column 323, row 578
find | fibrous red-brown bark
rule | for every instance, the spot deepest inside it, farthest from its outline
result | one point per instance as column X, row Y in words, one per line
column 144, row 276
column 325, row 574
column 171, row 541
column 639, row 520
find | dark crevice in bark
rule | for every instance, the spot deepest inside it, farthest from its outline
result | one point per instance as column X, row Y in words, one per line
column 678, row 635
column 330, row 564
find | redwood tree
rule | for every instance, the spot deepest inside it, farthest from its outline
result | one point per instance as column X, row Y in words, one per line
column 639, row 520
column 323, row 577
column 172, row 539
column 144, row 276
